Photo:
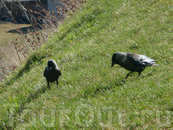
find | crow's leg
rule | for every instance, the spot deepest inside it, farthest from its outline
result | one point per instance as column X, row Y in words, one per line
column 57, row 82
column 48, row 84
column 139, row 74
column 128, row 74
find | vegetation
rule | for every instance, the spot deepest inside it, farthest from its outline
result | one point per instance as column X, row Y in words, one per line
column 91, row 94
column 25, row 38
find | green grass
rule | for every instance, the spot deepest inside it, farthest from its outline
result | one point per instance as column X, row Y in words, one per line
column 91, row 94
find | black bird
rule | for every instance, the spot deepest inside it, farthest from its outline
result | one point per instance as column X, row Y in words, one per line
column 132, row 62
column 52, row 72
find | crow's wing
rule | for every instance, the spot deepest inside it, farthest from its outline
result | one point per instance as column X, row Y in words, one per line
column 140, row 60
column 58, row 72
column 147, row 61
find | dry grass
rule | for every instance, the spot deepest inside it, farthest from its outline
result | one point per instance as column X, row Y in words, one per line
column 8, row 56
column 8, row 31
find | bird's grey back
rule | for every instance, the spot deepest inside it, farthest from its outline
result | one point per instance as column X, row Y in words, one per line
column 140, row 60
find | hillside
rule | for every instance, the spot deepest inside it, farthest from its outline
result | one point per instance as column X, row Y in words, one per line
column 92, row 94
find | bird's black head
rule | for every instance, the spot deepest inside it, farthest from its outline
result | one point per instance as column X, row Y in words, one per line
column 114, row 60
column 50, row 64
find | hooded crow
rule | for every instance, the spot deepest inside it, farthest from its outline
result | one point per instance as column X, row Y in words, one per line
column 52, row 72
column 132, row 62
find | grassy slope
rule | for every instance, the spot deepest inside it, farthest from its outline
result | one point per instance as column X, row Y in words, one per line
column 91, row 94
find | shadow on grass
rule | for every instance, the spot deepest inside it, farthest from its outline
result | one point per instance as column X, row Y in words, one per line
column 29, row 64
column 31, row 97
column 102, row 89
column 106, row 88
